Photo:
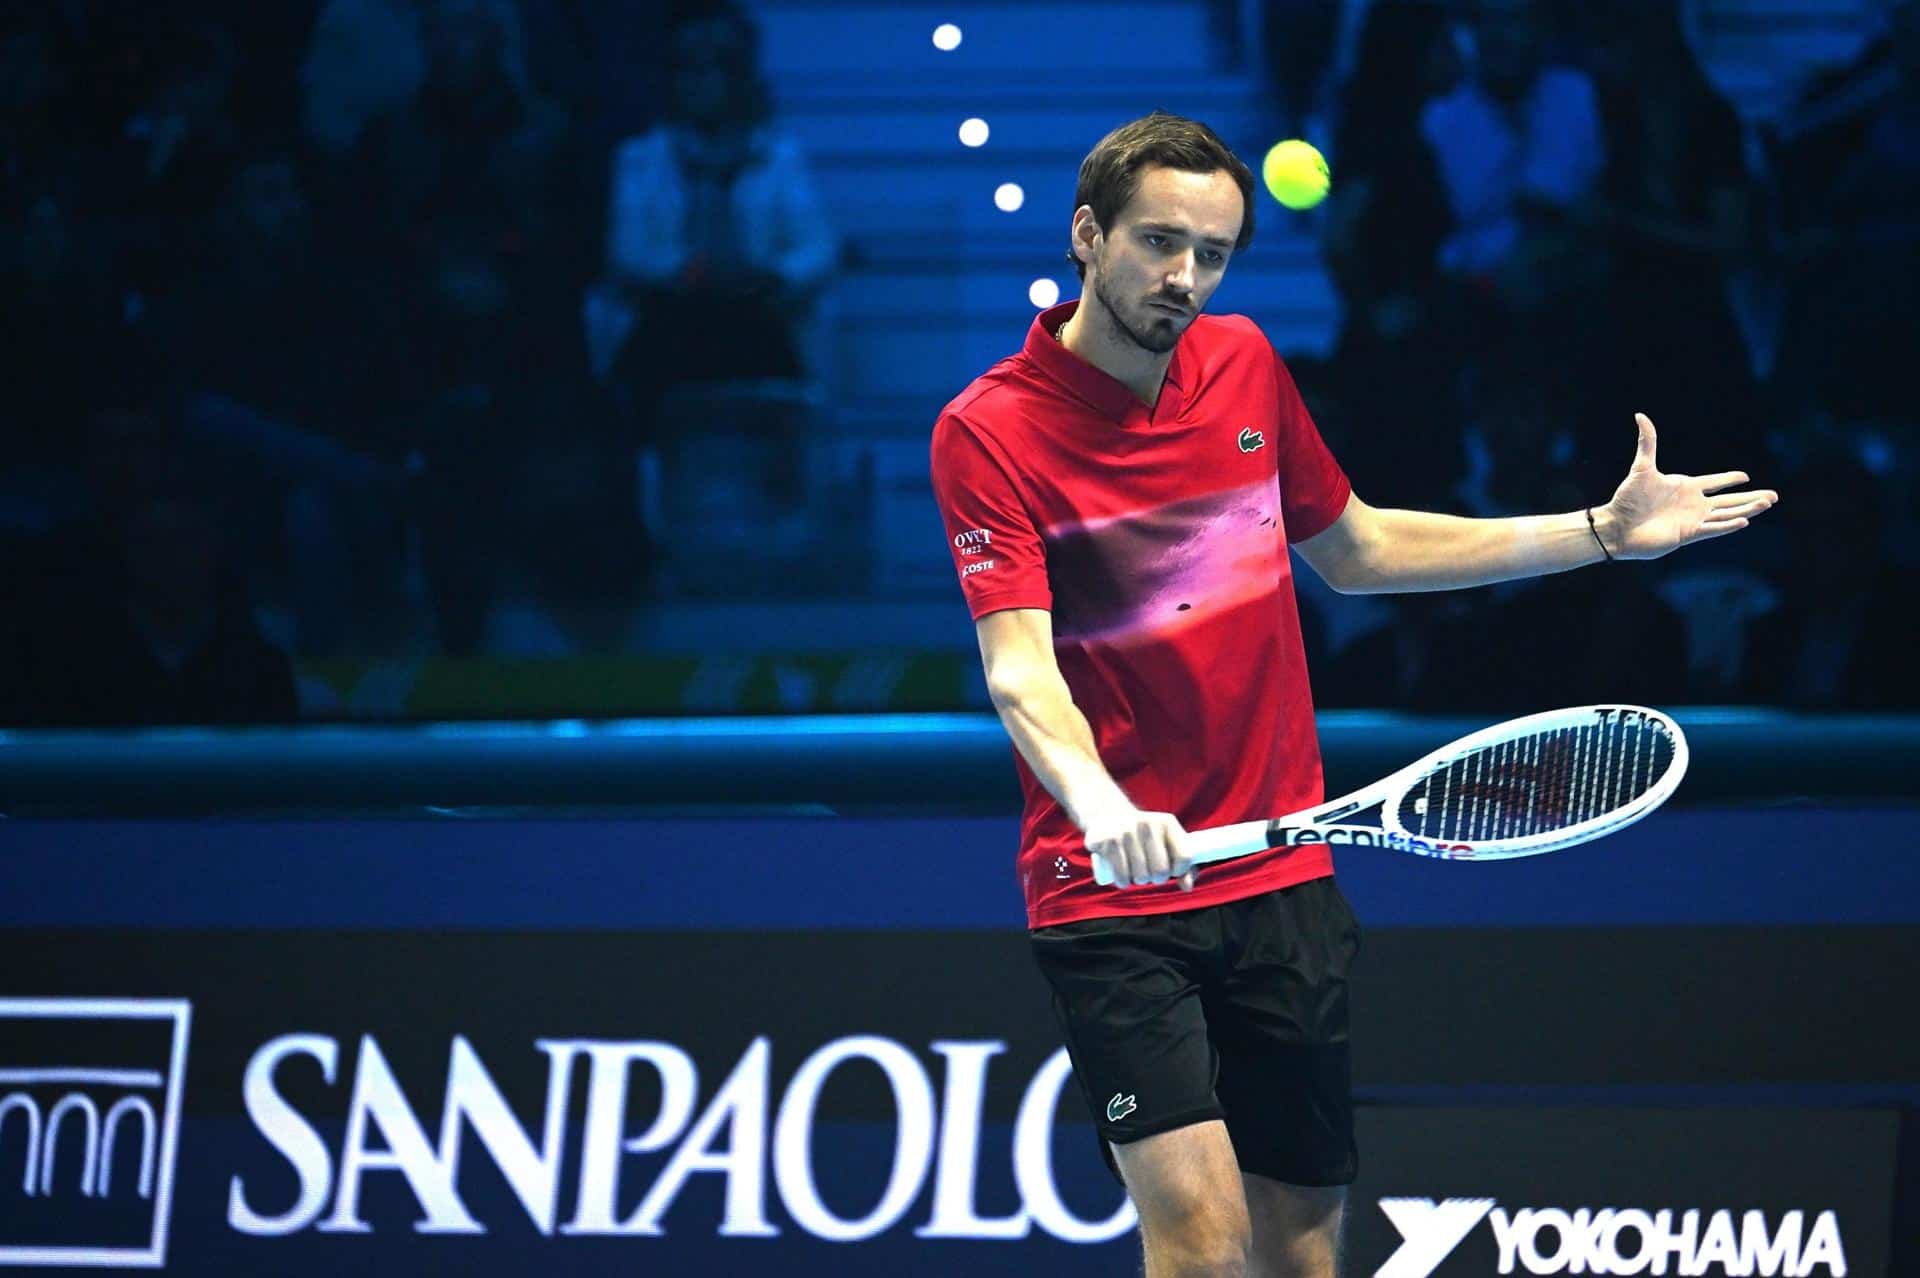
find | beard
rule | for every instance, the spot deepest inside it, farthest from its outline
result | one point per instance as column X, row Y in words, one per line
column 1156, row 333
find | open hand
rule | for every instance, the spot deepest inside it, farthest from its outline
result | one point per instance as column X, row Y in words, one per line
column 1652, row 514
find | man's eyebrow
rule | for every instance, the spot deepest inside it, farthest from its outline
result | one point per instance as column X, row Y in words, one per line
column 1169, row 228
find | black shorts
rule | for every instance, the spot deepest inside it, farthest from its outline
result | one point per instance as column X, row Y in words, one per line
column 1235, row 1011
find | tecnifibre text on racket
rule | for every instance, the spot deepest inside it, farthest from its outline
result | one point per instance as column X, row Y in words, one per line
column 1518, row 788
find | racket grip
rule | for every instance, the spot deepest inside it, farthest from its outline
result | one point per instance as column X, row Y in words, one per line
column 1224, row 842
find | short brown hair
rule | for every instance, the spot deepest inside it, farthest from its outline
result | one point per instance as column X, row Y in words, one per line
column 1110, row 175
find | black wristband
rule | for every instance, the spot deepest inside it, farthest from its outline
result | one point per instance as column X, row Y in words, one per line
column 1596, row 536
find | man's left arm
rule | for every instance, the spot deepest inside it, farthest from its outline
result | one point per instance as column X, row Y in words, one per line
column 1372, row 551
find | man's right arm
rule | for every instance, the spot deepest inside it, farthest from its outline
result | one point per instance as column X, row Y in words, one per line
column 1053, row 736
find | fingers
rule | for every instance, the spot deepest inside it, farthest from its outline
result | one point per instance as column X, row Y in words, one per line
column 1148, row 849
column 1725, row 479
column 1146, row 856
column 1731, row 512
column 1152, row 846
column 1179, row 854
column 1741, row 505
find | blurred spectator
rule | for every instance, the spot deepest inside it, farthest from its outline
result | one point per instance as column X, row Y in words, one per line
column 473, row 214
column 1519, row 144
column 610, row 69
column 471, row 181
column 264, row 318
column 367, row 58
column 717, row 249
column 34, row 85
column 108, row 57
column 1519, row 445
column 569, row 532
column 1672, row 213
column 363, row 59
column 1850, row 167
column 1838, row 640
column 269, row 338
column 1301, row 39
column 1389, row 208
column 136, row 615
column 60, row 321
column 1819, row 132
column 1579, row 638
column 1387, row 216
column 265, row 98
column 716, row 242
column 175, row 150
column 1428, row 657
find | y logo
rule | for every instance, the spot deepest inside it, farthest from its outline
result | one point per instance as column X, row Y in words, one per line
column 1120, row 1106
column 1251, row 440
column 1429, row 1232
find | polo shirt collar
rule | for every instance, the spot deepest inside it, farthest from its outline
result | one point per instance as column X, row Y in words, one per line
column 1106, row 394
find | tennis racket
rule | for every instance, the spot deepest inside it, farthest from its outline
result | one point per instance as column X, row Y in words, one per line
column 1519, row 788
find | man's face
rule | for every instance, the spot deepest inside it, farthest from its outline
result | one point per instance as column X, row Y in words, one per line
column 1160, row 261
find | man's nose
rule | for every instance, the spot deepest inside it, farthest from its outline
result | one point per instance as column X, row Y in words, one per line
column 1180, row 279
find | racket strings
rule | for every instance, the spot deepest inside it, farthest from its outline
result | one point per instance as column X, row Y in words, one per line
column 1540, row 782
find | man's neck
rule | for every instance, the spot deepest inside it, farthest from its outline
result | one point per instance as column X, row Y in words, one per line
column 1093, row 334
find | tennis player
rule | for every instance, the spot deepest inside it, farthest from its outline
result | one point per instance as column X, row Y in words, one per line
column 1120, row 496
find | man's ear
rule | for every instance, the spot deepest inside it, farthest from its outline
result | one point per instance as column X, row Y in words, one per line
column 1086, row 234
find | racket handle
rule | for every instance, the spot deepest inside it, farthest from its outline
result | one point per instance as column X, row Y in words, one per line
column 1224, row 842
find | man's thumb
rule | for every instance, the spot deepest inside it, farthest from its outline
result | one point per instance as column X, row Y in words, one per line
column 1644, row 453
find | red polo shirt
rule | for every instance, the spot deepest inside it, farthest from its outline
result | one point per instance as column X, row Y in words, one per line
column 1158, row 540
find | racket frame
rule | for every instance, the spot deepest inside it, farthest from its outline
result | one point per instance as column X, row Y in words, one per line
column 1323, row 822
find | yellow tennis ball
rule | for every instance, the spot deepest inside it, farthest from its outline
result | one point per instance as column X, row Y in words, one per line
column 1295, row 173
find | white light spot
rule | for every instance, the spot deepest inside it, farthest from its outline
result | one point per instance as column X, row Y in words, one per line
column 973, row 132
column 946, row 37
column 1043, row 293
column 1008, row 197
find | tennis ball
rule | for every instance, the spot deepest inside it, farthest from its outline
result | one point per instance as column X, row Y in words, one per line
column 1295, row 173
